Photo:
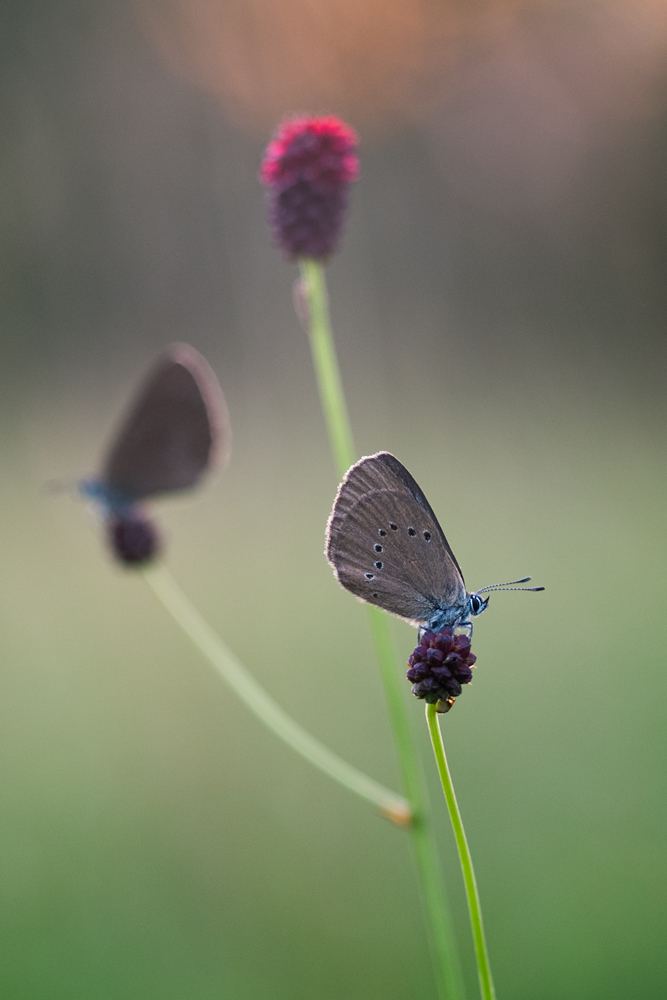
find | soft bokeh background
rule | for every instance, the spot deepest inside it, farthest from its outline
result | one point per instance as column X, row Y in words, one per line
column 500, row 311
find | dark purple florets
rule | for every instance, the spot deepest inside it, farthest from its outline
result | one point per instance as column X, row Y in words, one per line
column 439, row 665
column 308, row 168
column 133, row 538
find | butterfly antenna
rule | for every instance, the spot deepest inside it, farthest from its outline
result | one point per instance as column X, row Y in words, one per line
column 494, row 589
column 510, row 585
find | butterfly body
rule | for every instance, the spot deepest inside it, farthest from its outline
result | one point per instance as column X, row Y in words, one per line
column 386, row 546
column 111, row 501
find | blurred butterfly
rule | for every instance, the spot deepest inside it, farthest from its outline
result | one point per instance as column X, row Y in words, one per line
column 176, row 429
column 386, row 547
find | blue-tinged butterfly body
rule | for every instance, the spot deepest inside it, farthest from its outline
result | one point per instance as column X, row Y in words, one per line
column 386, row 546
column 110, row 501
column 176, row 429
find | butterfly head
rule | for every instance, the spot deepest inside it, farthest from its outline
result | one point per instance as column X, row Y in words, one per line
column 476, row 604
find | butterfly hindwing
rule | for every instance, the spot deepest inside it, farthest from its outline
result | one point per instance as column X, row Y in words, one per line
column 386, row 545
column 172, row 433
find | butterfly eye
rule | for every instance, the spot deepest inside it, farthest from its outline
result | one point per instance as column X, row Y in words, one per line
column 477, row 604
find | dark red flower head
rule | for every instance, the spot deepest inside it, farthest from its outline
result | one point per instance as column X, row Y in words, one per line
column 439, row 666
column 308, row 167
column 133, row 538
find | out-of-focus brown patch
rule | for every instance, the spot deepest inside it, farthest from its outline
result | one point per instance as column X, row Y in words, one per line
column 525, row 112
column 375, row 62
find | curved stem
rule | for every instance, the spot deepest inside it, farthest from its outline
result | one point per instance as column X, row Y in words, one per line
column 434, row 903
column 483, row 966
column 230, row 668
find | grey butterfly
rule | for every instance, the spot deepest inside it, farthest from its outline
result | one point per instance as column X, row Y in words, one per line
column 176, row 429
column 386, row 547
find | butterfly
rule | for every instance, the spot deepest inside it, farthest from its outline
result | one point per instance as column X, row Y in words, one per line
column 175, row 430
column 386, row 546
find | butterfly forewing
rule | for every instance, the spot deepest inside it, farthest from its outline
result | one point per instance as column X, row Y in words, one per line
column 386, row 545
column 177, row 426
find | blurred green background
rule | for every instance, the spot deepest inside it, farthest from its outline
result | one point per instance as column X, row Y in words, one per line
column 500, row 308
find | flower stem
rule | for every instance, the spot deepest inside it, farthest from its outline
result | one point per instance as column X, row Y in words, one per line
column 436, row 910
column 475, row 910
column 325, row 362
column 439, row 924
column 210, row 645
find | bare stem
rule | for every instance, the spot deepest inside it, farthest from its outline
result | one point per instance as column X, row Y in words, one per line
column 261, row 704
column 474, row 908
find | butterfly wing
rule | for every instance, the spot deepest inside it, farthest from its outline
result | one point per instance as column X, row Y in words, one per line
column 177, row 427
column 386, row 546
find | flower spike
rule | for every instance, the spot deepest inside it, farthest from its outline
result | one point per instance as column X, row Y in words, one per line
column 307, row 168
column 439, row 665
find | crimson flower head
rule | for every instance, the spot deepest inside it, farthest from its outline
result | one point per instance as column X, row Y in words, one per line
column 439, row 666
column 307, row 168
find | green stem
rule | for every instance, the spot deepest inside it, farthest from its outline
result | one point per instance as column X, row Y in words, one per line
column 436, row 910
column 483, row 966
column 439, row 924
column 325, row 362
column 210, row 645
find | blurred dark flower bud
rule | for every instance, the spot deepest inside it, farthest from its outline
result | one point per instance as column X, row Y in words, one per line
column 307, row 168
column 440, row 665
column 133, row 538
